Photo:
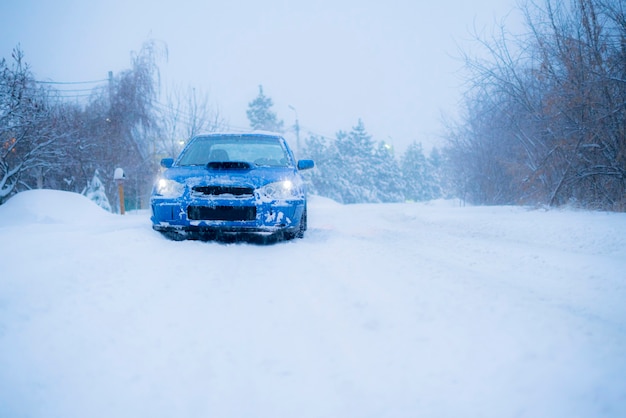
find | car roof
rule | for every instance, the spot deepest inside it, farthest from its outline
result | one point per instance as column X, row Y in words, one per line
column 242, row 134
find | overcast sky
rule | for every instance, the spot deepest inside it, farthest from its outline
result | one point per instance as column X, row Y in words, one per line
column 394, row 64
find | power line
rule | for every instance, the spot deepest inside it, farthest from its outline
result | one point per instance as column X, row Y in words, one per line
column 72, row 82
column 31, row 87
column 80, row 90
column 73, row 96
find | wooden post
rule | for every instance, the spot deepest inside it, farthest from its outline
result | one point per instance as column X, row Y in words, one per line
column 120, row 191
column 119, row 177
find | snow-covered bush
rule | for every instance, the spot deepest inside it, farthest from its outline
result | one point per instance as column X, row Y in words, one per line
column 95, row 192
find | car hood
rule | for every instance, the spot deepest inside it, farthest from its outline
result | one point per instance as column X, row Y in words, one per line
column 253, row 177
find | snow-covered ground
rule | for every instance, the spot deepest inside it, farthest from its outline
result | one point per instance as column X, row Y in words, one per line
column 394, row 310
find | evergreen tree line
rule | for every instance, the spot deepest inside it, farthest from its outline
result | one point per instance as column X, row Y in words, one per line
column 545, row 118
column 353, row 168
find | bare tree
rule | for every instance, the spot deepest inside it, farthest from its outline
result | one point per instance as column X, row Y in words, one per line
column 124, row 124
column 552, row 115
column 185, row 114
column 29, row 128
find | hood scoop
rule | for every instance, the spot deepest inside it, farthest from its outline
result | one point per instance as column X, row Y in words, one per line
column 229, row 165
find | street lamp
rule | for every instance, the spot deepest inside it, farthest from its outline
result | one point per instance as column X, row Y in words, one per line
column 297, row 128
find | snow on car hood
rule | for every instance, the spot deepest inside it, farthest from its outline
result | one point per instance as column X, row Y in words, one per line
column 255, row 177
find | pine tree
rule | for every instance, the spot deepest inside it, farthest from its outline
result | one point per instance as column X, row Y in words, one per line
column 356, row 175
column 387, row 176
column 357, row 142
column 325, row 179
column 96, row 193
column 417, row 173
column 261, row 116
column 353, row 169
column 436, row 163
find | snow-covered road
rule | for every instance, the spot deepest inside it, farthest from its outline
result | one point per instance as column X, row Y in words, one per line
column 398, row 310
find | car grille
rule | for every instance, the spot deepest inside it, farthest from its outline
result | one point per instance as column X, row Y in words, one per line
column 221, row 213
column 220, row 190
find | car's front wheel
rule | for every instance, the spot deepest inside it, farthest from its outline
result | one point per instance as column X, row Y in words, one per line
column 299, row 232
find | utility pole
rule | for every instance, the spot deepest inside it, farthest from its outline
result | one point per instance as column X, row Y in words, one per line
column 110, row 87
column 296, row 128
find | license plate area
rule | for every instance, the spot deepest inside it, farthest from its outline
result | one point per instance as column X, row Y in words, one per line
column 221, row 213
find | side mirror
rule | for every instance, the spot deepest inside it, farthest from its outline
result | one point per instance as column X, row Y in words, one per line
column 167, row 162
column 305, row 164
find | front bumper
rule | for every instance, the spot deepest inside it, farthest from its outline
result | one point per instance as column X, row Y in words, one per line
column 218, row 216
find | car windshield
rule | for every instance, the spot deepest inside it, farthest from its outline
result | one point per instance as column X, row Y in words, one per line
column 256, row 150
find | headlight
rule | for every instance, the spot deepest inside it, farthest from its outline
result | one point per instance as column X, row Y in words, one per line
column 169, row 188
column 281, row 190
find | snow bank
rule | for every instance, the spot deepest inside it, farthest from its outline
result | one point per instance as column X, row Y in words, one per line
column 50, row 207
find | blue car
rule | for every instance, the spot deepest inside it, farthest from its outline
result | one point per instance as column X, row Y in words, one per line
column 231, row 185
